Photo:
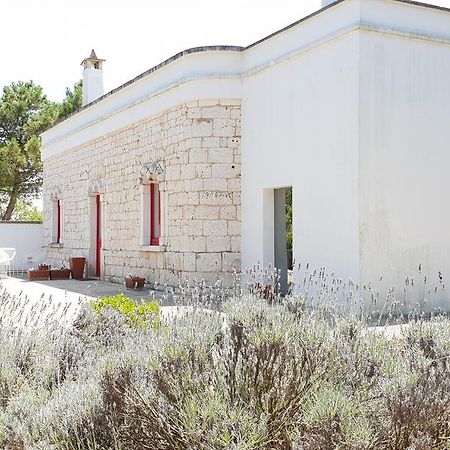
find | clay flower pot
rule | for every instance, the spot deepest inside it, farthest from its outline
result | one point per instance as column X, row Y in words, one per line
column 134, row 282
column 77, row 267
column 40, row 274
column 61, row 274
column 138, row 282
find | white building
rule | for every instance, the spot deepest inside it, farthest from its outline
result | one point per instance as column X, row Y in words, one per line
column 349, row 106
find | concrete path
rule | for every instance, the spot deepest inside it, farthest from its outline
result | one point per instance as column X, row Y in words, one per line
column 33, row 289
column 36, row 303
column 41, row 304
column 96, row 289
column 31, row 305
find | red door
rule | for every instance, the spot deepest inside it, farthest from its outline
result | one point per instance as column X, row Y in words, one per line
column 98, row 238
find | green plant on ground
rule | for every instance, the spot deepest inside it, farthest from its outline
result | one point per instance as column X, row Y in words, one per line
column 138, row 314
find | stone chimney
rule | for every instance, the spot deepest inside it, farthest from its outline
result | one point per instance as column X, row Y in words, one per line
column 92, row 78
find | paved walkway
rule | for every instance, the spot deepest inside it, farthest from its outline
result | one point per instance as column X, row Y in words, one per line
column 37, row 304
column 26, row 304
column 92, row 288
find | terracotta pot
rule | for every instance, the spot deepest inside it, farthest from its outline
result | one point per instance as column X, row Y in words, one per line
column 77, row 267
column 134, row 282
column 62, row 274
column 138, row 282
column 38, row 274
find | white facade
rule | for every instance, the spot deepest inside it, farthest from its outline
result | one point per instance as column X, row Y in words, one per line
column 26, row 238
column 349, row 106
column 404, row 144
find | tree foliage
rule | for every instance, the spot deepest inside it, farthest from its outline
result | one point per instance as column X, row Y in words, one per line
column 25, row 112
column 25, row 211
column 73, row 100
column 289, row 218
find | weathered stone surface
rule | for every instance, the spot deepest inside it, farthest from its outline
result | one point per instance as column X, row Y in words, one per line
column 209, row 262
column 199, row 144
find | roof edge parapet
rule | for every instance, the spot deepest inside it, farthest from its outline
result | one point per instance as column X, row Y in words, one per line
column 231, row 48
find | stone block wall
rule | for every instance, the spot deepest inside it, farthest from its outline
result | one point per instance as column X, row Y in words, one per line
column 199, row 145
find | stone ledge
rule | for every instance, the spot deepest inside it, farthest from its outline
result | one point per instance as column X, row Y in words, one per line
column 54, row 245
column 152, row 248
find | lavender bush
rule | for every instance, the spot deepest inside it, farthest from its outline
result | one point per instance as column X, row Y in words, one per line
column 261, row 373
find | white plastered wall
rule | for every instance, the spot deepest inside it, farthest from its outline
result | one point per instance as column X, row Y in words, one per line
column 299, row 129
column 405, row 157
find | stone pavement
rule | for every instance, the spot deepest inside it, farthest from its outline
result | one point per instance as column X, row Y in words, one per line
column 90, row 288
column 68, row 296
column 25, row 304
column 38, row 304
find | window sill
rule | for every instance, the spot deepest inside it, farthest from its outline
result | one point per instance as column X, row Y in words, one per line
column 152, row 248
column 55, row 245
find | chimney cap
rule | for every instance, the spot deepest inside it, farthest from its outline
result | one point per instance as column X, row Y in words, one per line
column 92, row 58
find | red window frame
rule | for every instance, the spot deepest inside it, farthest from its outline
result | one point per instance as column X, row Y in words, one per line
column 155, row 214
column 58, row 223
column 98, row 245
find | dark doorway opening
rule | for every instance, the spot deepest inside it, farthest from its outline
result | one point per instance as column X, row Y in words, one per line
column 283, row 237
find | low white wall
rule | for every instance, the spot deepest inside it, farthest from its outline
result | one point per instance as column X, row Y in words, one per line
column 26, row 238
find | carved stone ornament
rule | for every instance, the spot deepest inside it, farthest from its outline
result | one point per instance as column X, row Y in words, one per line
column 96, row 186
column 152, row 171
column 55, row 194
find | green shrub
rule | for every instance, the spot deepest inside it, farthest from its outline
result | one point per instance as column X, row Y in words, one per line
column 137, row 314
